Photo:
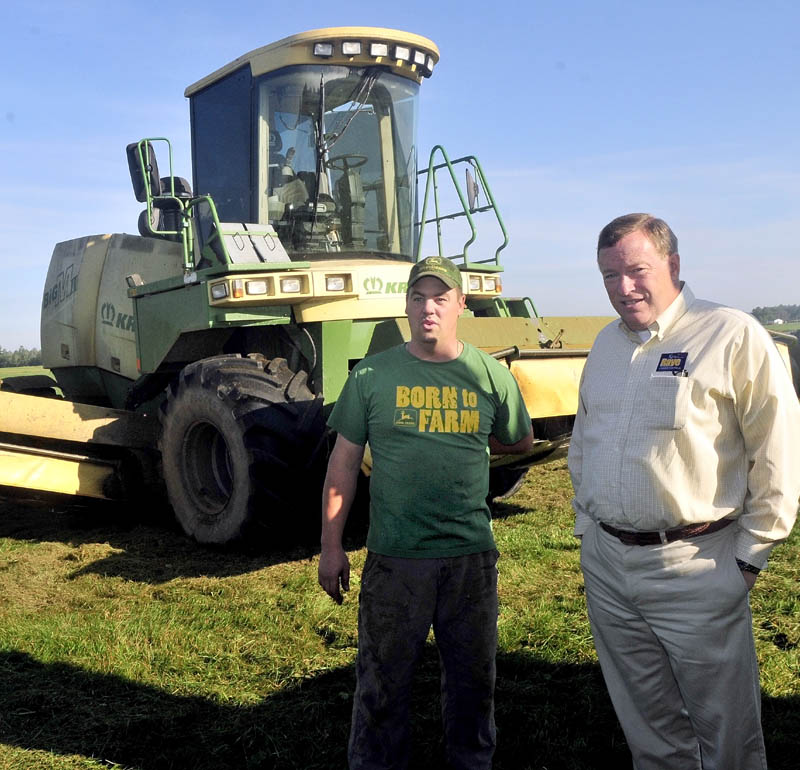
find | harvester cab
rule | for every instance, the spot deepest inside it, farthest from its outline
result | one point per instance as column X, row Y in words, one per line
column 229, row 325
column 311, row 138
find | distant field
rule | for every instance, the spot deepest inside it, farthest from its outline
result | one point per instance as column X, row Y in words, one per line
column 124, row 645
column 788, row 327
column 17, row 371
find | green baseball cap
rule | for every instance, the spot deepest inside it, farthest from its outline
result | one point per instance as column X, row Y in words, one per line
column 438, row 267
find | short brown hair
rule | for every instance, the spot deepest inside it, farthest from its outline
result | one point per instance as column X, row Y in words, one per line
column 657, row 230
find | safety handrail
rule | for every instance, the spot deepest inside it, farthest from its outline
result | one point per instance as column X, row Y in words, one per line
column 466, row 211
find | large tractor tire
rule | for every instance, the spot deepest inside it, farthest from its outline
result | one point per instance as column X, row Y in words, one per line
column 241, row 445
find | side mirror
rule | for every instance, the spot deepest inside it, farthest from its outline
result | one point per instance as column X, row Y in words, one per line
column 143, row 168
column 472, row 190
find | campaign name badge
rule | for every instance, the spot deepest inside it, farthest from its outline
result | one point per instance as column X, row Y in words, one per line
column 672, row 365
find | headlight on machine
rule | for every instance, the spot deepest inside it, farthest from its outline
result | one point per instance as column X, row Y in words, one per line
column 275, row 289
column 291, row 285
column 257, row 288
column 335, row 283
column 480, row 283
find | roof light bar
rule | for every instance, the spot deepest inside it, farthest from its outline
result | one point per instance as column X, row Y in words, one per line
column 398, row 54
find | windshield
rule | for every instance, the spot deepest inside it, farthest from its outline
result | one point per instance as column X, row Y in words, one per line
column 336, row 159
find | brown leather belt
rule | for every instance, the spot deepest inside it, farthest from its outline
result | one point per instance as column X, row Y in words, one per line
column 667, row 535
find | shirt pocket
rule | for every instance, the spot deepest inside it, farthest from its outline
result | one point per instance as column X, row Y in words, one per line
column 667, row 403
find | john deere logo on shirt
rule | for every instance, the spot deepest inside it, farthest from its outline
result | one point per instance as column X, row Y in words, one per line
column 437, row 410
column 405, row 418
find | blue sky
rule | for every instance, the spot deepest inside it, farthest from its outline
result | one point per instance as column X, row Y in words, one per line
column 578, row 111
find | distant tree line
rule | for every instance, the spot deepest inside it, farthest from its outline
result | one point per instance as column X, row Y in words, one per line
column 768, row 315
column 20, row 357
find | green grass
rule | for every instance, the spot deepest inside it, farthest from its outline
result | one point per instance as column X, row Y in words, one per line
column 124, row 645
column 18, row 371
column 790, row 326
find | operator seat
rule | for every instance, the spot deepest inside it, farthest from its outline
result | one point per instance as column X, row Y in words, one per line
column 352, row 200
column 166, row 219
column 166, row 211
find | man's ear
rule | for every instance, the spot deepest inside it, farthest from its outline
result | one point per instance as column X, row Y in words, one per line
column 675, row 267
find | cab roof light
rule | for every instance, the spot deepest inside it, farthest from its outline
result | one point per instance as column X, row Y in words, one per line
column 238, row 288
column 402, row 53
column 219, row 291
column 351, row 48
column 323, row 49
column 420, row 58
column 430, row 65
column 378, row 49
column 474, row 283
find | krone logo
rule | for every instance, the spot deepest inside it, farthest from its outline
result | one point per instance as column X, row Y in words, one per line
column 373, row 285
column 108, row 314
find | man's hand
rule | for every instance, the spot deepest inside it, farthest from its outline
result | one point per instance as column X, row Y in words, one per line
column 334, row 570
column 337, row 497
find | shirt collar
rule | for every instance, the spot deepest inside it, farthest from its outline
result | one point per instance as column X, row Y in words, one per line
column 667, row 319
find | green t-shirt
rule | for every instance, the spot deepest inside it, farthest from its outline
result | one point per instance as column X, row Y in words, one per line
column 427, row 424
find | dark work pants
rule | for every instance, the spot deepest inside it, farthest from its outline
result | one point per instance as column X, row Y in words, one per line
column 400, row 600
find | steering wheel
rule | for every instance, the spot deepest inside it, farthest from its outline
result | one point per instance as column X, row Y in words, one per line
column 343, row 164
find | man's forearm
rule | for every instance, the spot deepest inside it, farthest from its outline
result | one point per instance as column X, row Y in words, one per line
column 519, row 448
column 337, row 498
column 339, row 490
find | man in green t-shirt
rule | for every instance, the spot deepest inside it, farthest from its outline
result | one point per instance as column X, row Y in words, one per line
column 431, row 410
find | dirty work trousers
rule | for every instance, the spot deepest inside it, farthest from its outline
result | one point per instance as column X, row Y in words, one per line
column 674, row 637
column 399, row 601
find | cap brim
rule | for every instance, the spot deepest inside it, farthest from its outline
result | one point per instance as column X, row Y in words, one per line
column 445, row 279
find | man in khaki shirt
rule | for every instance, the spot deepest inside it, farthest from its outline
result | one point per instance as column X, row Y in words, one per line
column 686, row 470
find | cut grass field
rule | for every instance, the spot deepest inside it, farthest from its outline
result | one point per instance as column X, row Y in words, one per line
column 19, row 371
column 124, row 645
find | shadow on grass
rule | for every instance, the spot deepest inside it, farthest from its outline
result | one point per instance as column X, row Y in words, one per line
column 548, row 716
column 152, row 548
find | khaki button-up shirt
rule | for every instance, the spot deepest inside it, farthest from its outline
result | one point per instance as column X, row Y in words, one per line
column 697, row 423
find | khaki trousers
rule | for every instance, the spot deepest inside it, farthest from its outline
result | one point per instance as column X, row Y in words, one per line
column 673, row 633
